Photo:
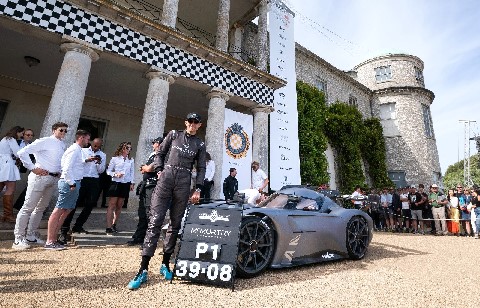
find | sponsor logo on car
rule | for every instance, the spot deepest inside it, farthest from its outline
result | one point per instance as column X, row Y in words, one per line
column 328, row 255
column 213, row 217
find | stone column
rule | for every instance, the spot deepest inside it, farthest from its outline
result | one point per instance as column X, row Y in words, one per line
column 262, row 35
column 236, row 41
column 215, row 135
column 223, row 25
column 260, row 136
column 69, row 92
column 169, row 13
column 154, row 114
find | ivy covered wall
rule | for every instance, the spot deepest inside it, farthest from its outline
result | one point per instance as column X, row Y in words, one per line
column 355, row 140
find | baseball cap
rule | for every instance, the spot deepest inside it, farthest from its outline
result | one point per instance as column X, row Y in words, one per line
column 158, row 139
column 194, row 116
column 434, row 186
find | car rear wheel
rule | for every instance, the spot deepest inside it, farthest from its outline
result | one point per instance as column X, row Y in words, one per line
column 357, row 237
column 256, row 247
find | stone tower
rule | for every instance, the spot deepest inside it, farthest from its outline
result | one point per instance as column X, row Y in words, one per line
column 402, row 104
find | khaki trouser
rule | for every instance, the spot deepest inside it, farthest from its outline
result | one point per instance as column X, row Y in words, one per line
column 439, row 216
column 39, row 192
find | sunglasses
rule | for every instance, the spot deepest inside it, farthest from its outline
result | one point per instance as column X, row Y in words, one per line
column 63, row 130
column 193, row 121
column 128, row 148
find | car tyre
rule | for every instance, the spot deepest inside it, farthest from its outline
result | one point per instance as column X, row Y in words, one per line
column 357, row 237
column 256, row 247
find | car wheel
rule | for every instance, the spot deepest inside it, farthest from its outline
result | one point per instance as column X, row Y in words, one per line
column 357, row 237
column 256, row 247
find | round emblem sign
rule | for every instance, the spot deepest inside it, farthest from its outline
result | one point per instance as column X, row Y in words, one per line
column 237, row 142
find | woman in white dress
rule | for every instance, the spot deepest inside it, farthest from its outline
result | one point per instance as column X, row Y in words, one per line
column 9, row 172
column 121, row 169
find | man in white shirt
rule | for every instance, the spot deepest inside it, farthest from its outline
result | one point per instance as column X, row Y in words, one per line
column 95, row 161
column 259, row 177
column 357, row 194
column 68, row 187
column 42, row 182
column 208, row 182
column 252, row 196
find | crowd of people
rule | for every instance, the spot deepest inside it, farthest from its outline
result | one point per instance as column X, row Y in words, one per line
column 422, row 211
column 169, row 182
column 74, row 173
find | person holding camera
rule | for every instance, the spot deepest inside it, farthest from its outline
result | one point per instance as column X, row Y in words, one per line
column 438, row 202
column 144, row 191
column 94, row 165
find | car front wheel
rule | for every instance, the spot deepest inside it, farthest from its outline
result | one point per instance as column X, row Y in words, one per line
column 256, row 247
column 357, row 237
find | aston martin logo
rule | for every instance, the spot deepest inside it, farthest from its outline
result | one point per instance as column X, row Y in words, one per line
column 213, row 217
column 237, row 142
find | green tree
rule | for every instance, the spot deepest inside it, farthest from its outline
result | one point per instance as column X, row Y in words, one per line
column 454, row 173
column 374, row 153
column 312, row 140
column 343, row 127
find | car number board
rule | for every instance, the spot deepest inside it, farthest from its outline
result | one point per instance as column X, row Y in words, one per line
column 209, row 245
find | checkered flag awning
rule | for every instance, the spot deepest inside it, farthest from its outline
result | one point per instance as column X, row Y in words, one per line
column 66, row 19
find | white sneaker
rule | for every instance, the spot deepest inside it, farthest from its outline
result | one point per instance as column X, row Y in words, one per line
column 20, row 243
column 34, row 238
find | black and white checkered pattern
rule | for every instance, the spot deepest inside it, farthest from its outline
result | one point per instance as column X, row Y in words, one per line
column 64, row 18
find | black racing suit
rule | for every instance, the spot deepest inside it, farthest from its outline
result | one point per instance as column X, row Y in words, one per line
column 175, row 159
column 230, row 187
column 145, row 195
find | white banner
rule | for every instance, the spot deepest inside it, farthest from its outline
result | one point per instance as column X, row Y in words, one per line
column 237, row 151
column 284, row 150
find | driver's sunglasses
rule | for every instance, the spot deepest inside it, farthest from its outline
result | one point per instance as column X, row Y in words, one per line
column 193, row 121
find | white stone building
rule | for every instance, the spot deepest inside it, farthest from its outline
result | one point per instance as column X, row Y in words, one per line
column 130, row 70
column 391, row 88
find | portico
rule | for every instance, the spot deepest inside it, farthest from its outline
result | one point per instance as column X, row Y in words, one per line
column 128, row 92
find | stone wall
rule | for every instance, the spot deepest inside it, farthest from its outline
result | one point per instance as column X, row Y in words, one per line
column 340, row 87
column 402, row 68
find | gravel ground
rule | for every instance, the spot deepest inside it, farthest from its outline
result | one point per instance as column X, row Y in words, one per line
column 400, row 270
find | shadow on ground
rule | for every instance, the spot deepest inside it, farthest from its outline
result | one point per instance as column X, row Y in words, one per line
column 314, row 271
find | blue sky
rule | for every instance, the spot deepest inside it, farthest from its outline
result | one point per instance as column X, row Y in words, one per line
column 445, row 34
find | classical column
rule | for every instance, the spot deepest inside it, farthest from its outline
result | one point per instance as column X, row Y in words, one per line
column 154, row 114
column 236, row 41
column 223, row 25
column 69, row 92
column 260, row 135
column 169, row 13
column 214, row 134
column 262, row 35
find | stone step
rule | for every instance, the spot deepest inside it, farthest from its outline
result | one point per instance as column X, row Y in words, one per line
column 98, row 237
column 96, row 223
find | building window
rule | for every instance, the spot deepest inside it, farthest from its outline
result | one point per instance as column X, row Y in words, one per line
column 437, row 179
column 96, row 127
column 398, row 178
column 418, row 74
column 427, row 120
column 322, row 86
column 383, row 73
column 388, row 119
column 3, row 110
column 352, row 100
